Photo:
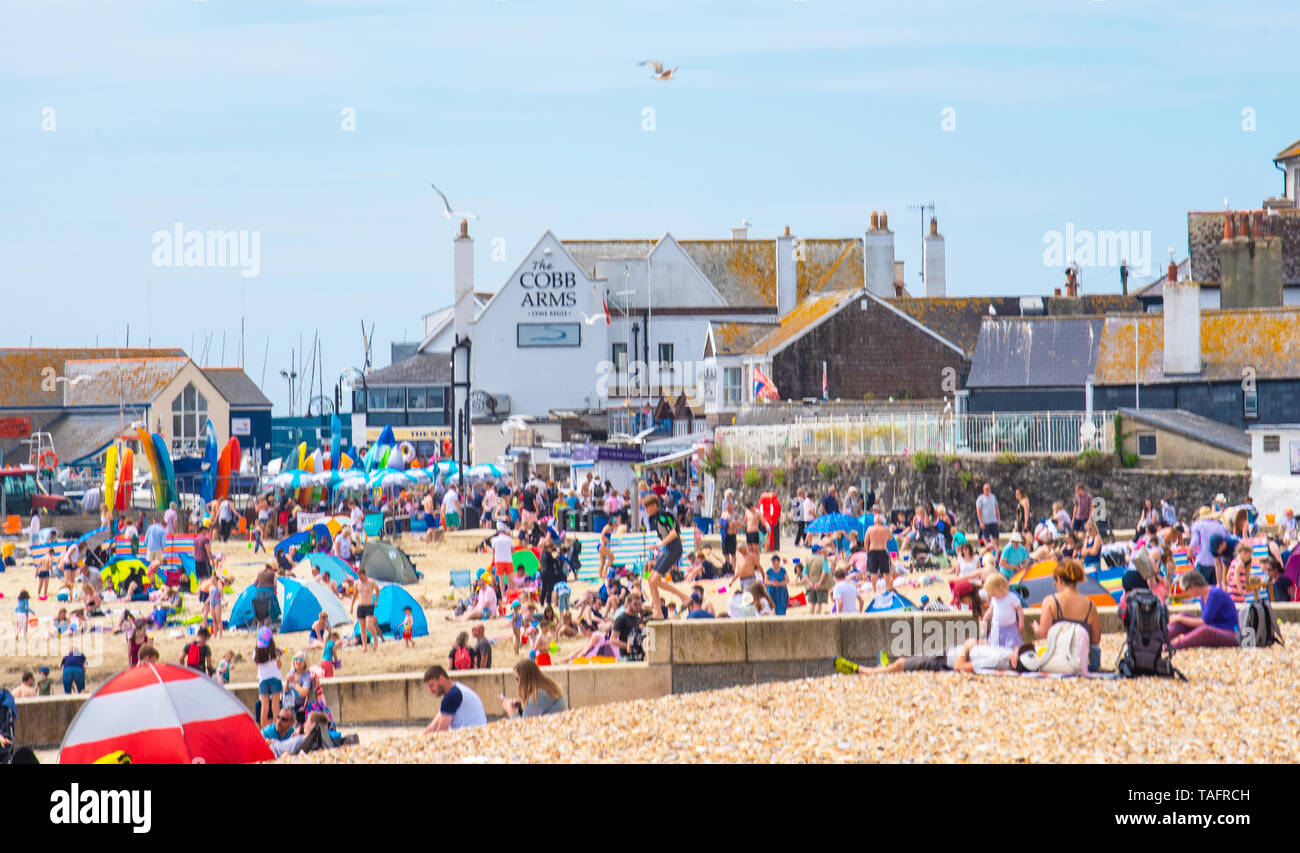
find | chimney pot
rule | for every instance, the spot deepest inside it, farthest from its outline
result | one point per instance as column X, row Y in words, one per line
column 884, row 221
column 1057, row 293
column 464, row 228
column 875, row 220
column 787, row 230
column 1173, row 271
column 1228, row 231
column 934, row 227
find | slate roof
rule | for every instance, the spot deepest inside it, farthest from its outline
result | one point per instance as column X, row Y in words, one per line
column 240, row 391
column 113, row 381
column 743, row 271
column 1267, row 340
column 77, row 435
column 737, row 338
column 423, row 368
column 806, row 315
column 1194, row 427
column 1039, row 352
column 958, row 319
column 21, row 370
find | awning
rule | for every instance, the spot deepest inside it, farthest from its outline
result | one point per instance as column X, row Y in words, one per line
column 660, row 461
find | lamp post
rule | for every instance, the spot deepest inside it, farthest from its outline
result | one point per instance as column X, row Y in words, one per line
column 460, row 359
column 893, row 486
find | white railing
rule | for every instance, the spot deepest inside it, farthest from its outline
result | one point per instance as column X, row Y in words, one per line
column 903, row 433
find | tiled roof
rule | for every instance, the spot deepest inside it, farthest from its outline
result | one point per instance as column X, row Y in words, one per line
column 1292, row 150
column 21, row 371
column 1267, row 340
column 113, row 381
column 1194, row 427
column 743, row 271
column 805, row 316
column 1035, row 352
column 428, row 368
column 958, row 319
column 237, row 387
column 737, row 338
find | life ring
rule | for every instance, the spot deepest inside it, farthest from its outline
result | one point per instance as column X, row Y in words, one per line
column 446, row 448
column 49, row 460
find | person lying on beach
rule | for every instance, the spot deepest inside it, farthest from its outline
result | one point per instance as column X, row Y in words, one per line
column 970, row 656
column 597, row 645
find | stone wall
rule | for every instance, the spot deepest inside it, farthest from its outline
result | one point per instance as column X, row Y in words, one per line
column 955, row 482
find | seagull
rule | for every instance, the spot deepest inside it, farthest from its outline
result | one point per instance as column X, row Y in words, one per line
column 660, row 73
column 591, row 319
column 77, row 380
column 992, row 311
column 511, row 424
column 447, row 212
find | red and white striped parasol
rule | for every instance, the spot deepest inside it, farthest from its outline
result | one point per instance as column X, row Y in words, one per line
column 164, row 714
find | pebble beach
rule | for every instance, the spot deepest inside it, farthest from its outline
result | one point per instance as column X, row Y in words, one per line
column 1236, row 707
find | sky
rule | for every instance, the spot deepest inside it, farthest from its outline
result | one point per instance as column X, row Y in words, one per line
column 316, row 126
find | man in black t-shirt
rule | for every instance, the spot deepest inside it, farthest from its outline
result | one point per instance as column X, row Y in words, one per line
column 626, row 626
column 669, row 553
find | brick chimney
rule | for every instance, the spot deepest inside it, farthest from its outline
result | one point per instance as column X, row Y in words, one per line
column 1071, row 283
column 1250, row 262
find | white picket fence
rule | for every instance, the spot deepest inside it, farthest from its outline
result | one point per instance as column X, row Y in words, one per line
column 1019, row 433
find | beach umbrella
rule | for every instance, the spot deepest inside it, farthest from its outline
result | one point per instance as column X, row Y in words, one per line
column 834, row 522
column 484, row 471
column 164, row 714
column 446, row 467
column 418, row 475
column 288, row 480
column 385, row 478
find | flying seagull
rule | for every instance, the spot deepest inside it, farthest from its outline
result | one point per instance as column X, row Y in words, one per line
column 447, row 212
column 660, row 73
column 591, row 319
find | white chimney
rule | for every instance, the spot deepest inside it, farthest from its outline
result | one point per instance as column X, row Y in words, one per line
column 878, row 251
column 462, row 257
column 1182, row 319
column 787, row 274
column 740, row 232
column 932, row 263
column 899, row 276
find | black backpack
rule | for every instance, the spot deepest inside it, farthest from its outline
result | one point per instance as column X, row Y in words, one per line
column 8, row 723
column 1146, row 650
column 1260, row 629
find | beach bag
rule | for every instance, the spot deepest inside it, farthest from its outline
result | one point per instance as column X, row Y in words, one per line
column 461, row 659
column 193, row 655
column 1066, row 651
column 1146, row 649
column 1260, row 628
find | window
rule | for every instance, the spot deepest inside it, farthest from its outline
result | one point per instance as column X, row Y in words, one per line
column 377, row 399
column 358, row 400
column 548, row 335
column 1147, row 445
column 396, row 399
column 1250, row 404
column 189, row 420
column 437, row 397
column 618, row 355
column 1272, row 444
column 666, row 364
column 733, row 386
column 416, row 399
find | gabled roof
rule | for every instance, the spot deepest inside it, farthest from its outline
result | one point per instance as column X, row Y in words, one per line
column 237, row 387
column 1035, row 352
column 113, row 381
column 22, row 370
column 743, row 271
column 1266, row 340
column 1289, row 152
column 423, row 368
column 805, row 317
column 737, row 338
column 1194, row 427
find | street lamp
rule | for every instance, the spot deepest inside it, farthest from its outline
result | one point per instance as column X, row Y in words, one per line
column 290, row 374
column 460, row 353
column 893, row 487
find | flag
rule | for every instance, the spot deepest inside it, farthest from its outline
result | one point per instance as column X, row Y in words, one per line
column 604, row 303
column 825, row 392
column 763, row 387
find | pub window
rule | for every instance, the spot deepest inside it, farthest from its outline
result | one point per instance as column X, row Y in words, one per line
column 415, row 399
column 437, row 397
column 733, row 387
column 1147, row 445
column 1272, row 444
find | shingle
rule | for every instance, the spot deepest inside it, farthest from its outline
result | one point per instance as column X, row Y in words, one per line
column 119, row 380
column 737, row 338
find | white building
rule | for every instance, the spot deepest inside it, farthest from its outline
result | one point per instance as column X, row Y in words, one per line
column 637, row 327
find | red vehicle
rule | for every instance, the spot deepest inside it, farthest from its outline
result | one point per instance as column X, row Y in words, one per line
column 25, row 494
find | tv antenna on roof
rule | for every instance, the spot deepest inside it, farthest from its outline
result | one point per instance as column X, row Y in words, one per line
column 924, row 208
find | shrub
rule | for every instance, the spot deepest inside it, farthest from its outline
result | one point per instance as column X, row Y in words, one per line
column 778, row 476
column 923, row 461
column 1130, row 460
column 1006, row 457
column 828, row 470
column 712, row 461
column 950, row 459
column 751, row 478
column 1094, row 461
column 967, row 480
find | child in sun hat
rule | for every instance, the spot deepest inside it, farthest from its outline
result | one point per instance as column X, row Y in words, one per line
column 269, row 685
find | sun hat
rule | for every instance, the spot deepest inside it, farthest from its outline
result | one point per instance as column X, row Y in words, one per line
column 1016, row 537
column 263, row 637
